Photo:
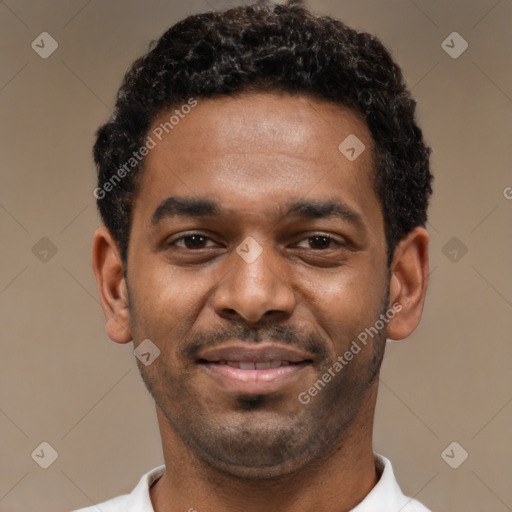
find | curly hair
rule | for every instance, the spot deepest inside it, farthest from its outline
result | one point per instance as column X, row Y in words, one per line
column 261, row 48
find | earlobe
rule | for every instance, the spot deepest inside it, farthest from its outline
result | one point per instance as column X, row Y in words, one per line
column 108, row 270
column 408, row 284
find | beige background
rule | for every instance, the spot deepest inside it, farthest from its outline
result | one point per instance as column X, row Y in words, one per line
column 64, row 382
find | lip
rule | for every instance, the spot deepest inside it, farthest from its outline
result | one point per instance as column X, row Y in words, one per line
column 257, row 381
column 256, row 353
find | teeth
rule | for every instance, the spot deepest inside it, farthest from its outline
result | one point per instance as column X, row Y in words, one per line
column 249, row 365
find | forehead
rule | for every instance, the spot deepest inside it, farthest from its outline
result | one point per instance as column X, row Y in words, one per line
column 255, row 149
column 265, row 122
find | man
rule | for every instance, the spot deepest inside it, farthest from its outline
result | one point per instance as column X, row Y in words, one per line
column 264, row 190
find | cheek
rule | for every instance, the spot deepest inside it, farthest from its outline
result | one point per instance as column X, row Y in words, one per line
column 346, row 302
column 165, row 302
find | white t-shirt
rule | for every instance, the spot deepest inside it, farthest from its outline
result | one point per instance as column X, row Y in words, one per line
column 386, row 496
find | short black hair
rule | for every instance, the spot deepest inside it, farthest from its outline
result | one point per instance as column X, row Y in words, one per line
column 266, row 47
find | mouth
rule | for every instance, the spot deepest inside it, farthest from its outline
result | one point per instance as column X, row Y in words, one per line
column 253, row 365
column 255, row 370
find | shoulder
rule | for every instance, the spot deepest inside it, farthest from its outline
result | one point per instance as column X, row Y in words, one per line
column 118, row 504
column 387, row 496
column 137, row 501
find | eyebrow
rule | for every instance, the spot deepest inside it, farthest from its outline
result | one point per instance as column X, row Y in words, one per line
column 185, row 207
column 310, row 209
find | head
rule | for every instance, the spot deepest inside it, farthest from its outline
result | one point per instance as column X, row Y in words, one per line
column 262, row 179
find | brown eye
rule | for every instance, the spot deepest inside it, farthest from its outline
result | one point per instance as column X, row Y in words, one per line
column 319, row 242
column 192, row 241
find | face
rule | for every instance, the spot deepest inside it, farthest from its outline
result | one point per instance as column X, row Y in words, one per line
column 257, row 256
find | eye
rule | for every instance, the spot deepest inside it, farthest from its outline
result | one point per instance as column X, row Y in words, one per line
column 192, row 241
column 320, row 242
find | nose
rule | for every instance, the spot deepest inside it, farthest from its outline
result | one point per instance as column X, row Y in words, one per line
column 256, row 290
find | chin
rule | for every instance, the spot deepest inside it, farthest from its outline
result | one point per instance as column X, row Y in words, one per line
column 247, row 470
column 260, row 453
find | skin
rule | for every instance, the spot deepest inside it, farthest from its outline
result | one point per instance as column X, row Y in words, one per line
column 253, row 154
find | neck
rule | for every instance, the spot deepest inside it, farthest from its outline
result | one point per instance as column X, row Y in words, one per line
column 335, row 483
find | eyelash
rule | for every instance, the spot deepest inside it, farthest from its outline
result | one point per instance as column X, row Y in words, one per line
column 331, row 239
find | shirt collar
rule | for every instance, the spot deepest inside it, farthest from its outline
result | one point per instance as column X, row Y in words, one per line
column 386, row 496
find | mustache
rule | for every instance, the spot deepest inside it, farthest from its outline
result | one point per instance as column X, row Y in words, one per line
column 310, row 341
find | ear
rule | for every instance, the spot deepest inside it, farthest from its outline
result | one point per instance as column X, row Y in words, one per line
column 409, row 280
column 108, row 269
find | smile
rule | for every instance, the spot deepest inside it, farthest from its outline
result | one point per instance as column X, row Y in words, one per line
column 255, row 365
column 254, row 369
